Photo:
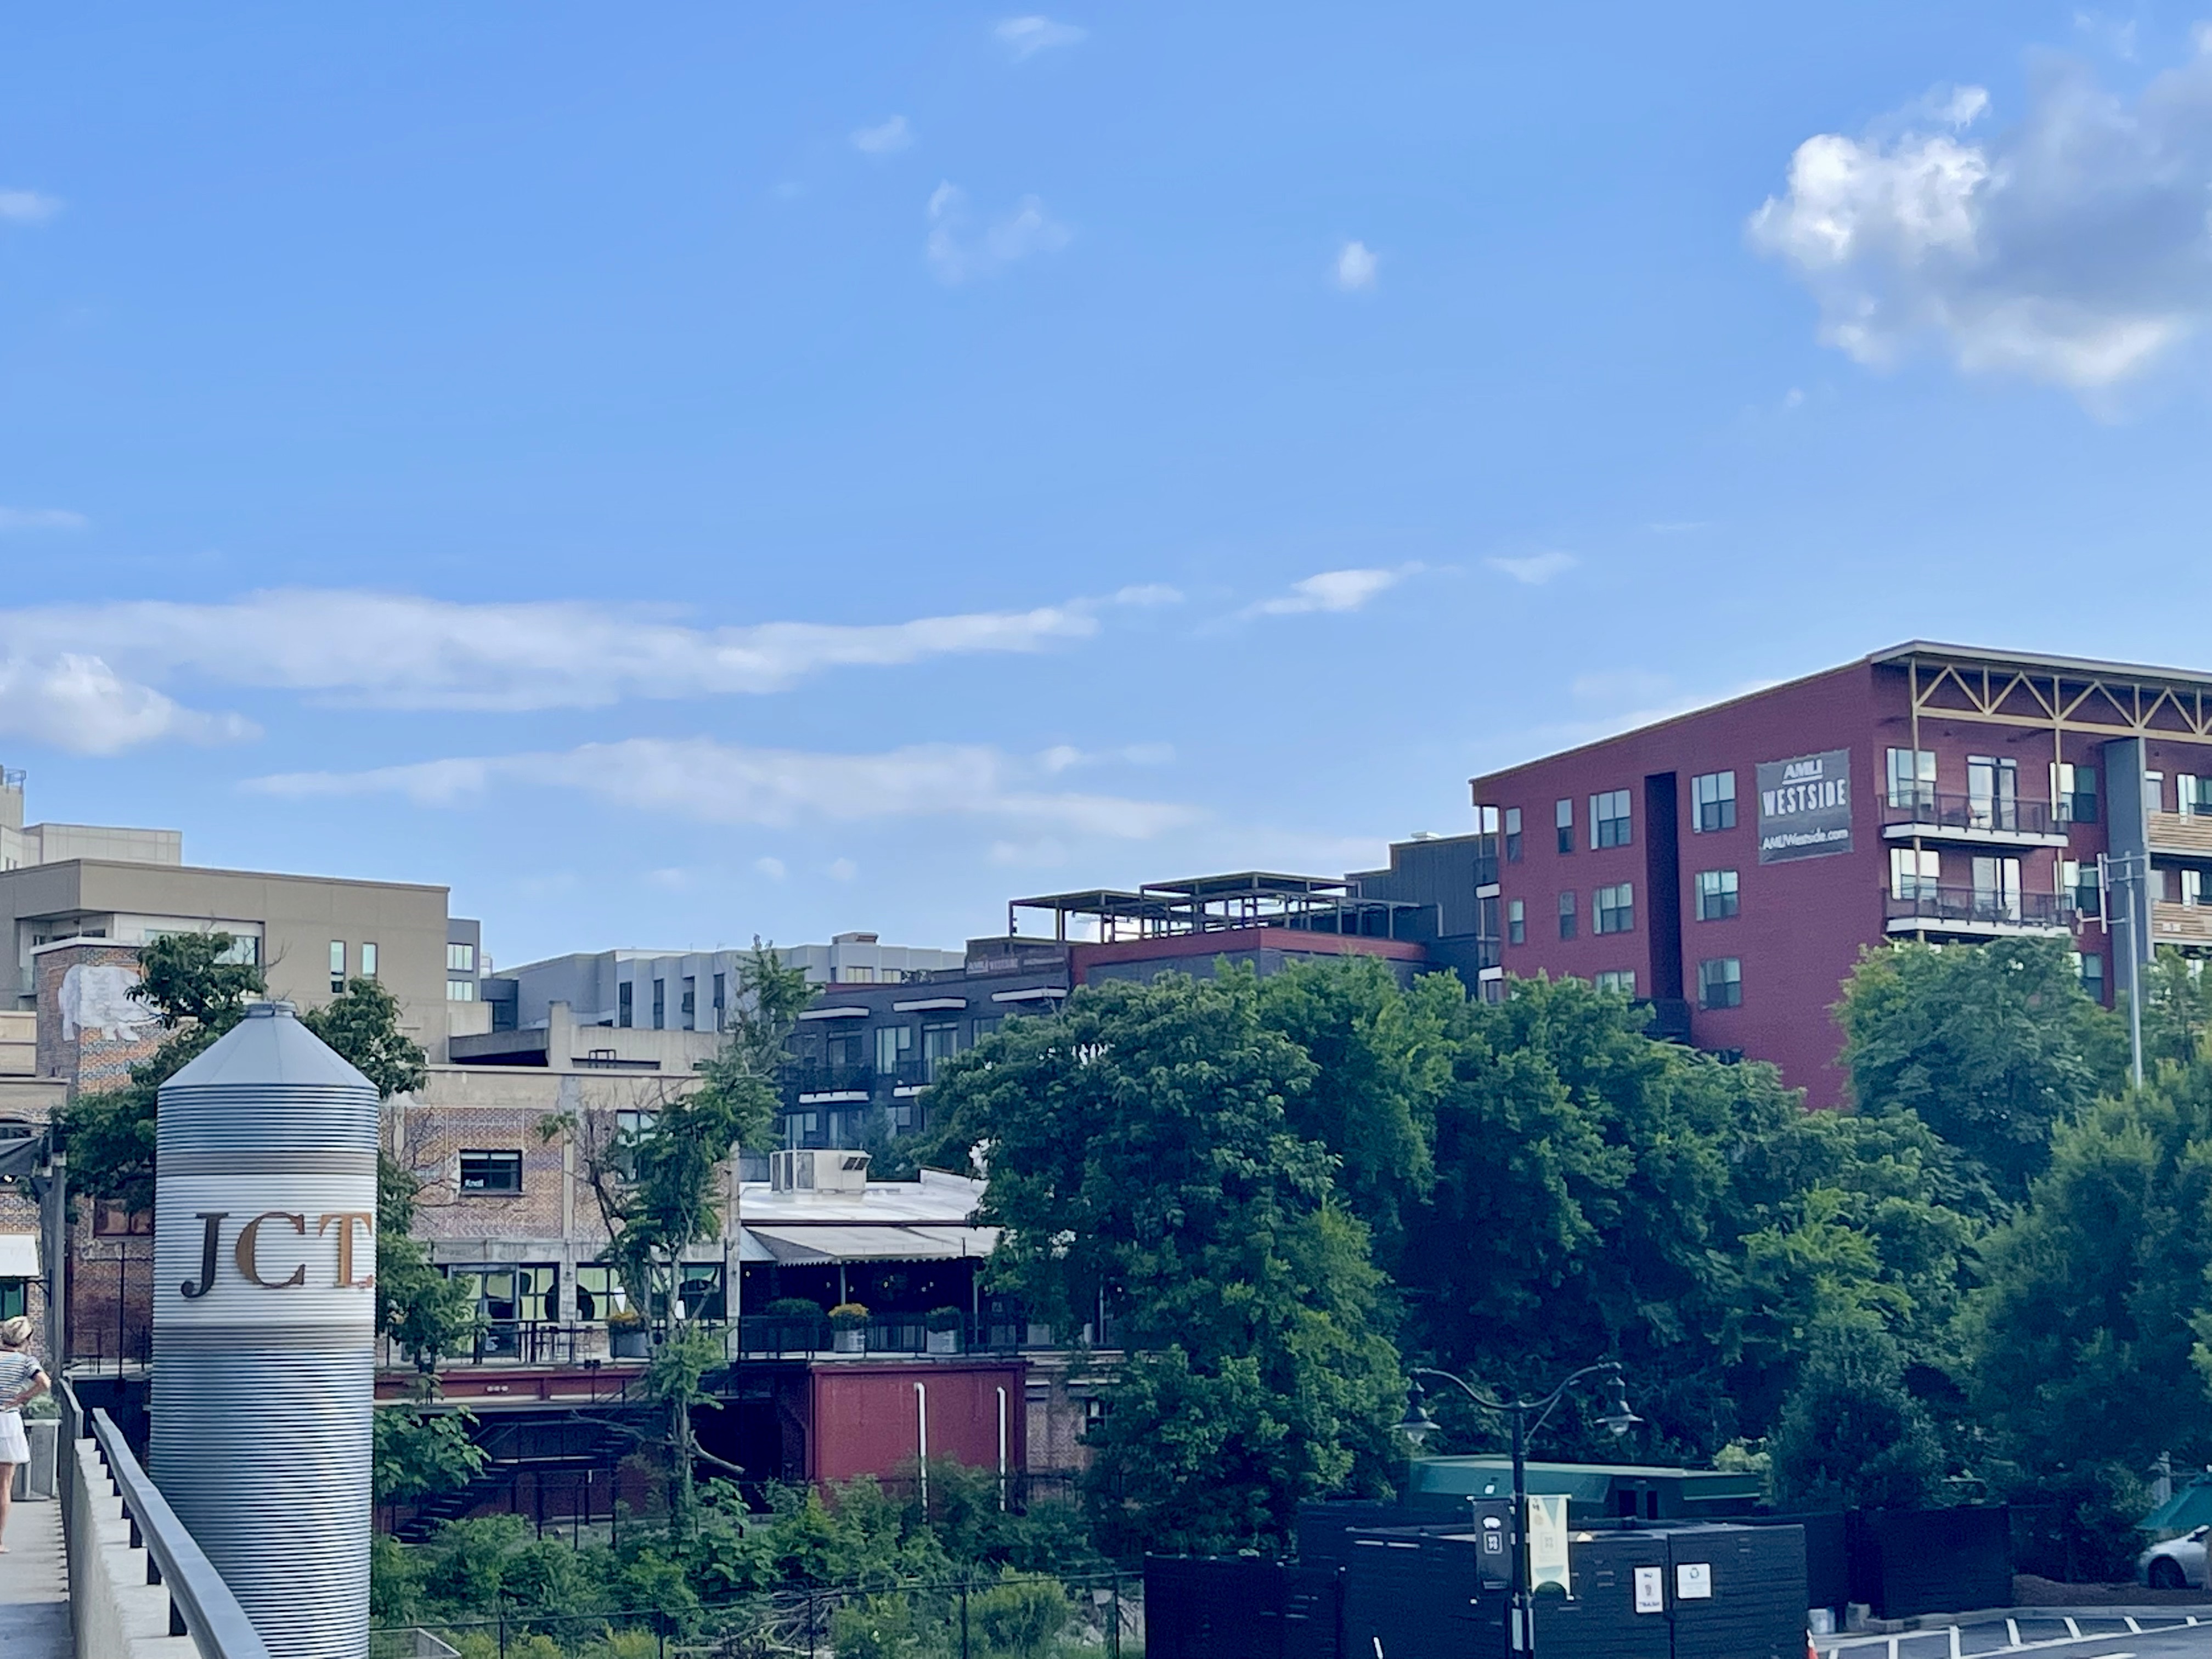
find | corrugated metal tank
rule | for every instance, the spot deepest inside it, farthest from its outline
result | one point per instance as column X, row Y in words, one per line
column 264, row 1251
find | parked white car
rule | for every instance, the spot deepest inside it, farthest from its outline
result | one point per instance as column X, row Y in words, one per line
column 2178, row 1564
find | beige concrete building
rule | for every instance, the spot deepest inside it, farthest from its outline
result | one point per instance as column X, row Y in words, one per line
column 61, row 883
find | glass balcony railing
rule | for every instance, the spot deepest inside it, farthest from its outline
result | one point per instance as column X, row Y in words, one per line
column 1976, row 907
column 1975, row 814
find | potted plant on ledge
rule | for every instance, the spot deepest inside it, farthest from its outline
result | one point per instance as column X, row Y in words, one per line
column 627, row 1337
column 944, row 1326
column 848, row 1329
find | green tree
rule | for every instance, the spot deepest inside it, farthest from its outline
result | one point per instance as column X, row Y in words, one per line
column 2079, row 1343
column 2177, row 1008
column 1383, row 1058
column 419, row 1452
column 197, row 995
column 656, row 1193
column 362, row 1025
column 1589, row 1199
column 1851, row 1437
column 1989, row 1045
column 1143, row 1165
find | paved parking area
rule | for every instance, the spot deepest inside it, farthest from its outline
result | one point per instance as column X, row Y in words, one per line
column 2098, row 1634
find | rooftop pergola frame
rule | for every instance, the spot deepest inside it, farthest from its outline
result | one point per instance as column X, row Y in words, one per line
column 1209, row 904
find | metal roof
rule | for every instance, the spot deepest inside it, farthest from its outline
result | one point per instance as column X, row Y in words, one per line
column 269, row 1046
column 2090, row 667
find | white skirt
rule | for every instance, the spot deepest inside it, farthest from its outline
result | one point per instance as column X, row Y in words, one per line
column 14, row 1447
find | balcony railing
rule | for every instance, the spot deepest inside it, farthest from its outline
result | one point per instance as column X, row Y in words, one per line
column 1954, row 908
column 2170, row 832
column 819, row 1077
column 2181, row 924
column 1978, row 815
column 762, row 1336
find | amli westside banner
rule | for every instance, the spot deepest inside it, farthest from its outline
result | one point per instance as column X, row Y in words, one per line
column 1804, row 806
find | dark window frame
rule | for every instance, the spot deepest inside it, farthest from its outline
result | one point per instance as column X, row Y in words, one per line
column 1730, row 987
column 1612, row 909
column 1568, row 920
column 1724, row 903
column 489, row 1159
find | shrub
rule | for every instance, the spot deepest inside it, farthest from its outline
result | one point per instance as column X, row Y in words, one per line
column 944, row 1319
column 847, row 1317
column 793, row 1307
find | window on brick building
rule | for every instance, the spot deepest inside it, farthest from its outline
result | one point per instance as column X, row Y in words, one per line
column 1517, row 922
column 2074, row 789
column 1716, row 894
column 1567, row 914
column 338, row 966
column 2091, row 966
column 1712, row 802
column 110, row 1221
column 1912, row 778
column 1563, row 814
column 894, row 1046
column 1720, row 982
column 368, row 960
column 1622, row 980
column 1513, row 834
column 1610, row 824
column 1913, row 871
column 598, row 1291
column 1616, row 909
column 491, row 1172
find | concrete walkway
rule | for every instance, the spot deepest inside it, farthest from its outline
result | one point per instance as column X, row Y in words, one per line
column 34, row 1617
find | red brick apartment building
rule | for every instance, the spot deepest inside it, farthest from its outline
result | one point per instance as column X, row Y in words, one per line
column 1730, row 864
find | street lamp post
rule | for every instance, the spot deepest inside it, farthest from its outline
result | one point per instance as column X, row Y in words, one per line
column 1526, row 1416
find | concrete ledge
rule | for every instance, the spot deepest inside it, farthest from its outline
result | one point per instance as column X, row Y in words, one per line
column 118, row 1615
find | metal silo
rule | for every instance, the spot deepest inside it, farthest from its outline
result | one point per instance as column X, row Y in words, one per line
column 264, row 1252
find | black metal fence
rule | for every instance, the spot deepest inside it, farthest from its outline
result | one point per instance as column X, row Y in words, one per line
column 1016, row 1616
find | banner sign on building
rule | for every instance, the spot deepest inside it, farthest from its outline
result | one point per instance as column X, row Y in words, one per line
column 1804, row 806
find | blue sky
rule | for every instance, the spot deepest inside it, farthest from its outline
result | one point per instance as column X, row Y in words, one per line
column 678, row 475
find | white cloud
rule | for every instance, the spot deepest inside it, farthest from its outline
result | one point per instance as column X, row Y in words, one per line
column 27, row 207
column 1332, row 590
column 772, row 868
column 720, row 783
column 1537, row 568
column 1060, row 757
column 1149, row 593
column 2072, row 248
column 888, row 139
column 957, row 253
column 400, row 651
column 1355, row 267
column 842, row 869
column 1027, row 36
column 76, row 702
column 39, row 518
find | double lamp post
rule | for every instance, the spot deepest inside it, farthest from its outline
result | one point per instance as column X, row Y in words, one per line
column 1527, row 1416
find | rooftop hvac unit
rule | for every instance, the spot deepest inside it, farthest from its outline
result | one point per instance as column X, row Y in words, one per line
column 803, row 1171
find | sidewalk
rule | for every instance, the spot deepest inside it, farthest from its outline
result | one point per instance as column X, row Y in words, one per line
column 34, row 1617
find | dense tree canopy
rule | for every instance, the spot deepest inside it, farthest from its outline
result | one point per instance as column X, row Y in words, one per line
column 1991, row 1047
column 1145, row 1166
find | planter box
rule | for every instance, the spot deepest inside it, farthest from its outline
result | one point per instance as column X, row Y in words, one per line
column 630, row 1345
column 849, row 1341
column 35, row 1480
column 944, row 1342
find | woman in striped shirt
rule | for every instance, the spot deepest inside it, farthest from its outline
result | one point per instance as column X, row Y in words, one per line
column 22, row 1380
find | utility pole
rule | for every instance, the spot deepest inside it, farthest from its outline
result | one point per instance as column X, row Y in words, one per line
column 2122, row 873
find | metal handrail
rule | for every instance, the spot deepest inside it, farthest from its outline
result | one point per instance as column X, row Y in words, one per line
column 211, row 1615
